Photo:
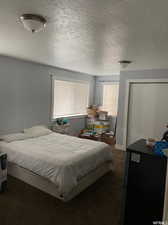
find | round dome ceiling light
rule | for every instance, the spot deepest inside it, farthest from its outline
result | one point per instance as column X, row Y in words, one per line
column 33, row 23
column 125, row 63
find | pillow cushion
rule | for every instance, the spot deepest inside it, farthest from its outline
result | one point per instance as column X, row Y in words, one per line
column 13, row 137
column 37, row 131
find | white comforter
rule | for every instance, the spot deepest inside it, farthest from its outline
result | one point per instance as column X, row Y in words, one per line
column 60, row 158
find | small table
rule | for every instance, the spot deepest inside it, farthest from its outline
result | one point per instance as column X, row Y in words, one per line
column 3, row 172
column 110, row 140
column 62, row 129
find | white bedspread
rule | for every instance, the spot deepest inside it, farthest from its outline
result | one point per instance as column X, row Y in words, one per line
column 60, row 158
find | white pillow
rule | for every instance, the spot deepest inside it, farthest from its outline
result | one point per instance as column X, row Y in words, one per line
column 13, row 137
column 37, row 131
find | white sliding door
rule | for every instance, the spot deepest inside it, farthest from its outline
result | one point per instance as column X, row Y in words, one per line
column 148, row 111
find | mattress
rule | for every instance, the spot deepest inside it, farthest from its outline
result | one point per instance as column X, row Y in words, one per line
column 62, row 159
column 45, row 185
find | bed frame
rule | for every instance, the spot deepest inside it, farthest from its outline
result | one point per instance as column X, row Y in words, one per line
column 47, row 186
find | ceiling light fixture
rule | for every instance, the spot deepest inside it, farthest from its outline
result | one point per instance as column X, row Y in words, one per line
column 125, row 63
column 33, row 23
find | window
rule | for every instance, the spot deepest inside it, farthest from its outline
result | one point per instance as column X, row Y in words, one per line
column 70, row 98
column 110, row 98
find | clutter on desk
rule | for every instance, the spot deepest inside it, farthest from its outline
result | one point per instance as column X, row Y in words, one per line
column 90, row 121
column 103, row 115
column 110, row 133
column 101, row 127
column 150, row 142
column 97, row 120
column 160, row 147
column 86, row 132
column 92, row 111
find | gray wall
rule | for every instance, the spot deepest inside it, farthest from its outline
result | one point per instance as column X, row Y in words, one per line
column 25, row 94
column 100, row 80
column 127, row 75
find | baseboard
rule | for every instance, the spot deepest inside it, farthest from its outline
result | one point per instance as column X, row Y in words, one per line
column 120, row 147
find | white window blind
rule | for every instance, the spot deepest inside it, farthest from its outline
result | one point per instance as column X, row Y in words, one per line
column 70, row 98
column 110, row 98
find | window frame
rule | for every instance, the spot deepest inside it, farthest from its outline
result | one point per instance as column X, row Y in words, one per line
column 53, row 78
column 109, row 83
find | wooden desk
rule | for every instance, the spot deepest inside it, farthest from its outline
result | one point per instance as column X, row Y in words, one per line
column 103, row 138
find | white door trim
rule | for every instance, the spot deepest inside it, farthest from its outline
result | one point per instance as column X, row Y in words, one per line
column 127, row 96
column 126, row 113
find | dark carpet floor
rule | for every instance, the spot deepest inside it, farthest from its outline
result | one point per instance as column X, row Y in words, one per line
column 100, row 204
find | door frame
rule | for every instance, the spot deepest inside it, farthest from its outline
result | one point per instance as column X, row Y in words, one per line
column 126, row 113
column 127, row 100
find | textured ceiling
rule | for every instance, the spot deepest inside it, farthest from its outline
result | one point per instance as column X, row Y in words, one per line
column 89, row 36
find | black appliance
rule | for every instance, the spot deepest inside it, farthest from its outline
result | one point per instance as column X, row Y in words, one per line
column 3, row 172
column 144, row 185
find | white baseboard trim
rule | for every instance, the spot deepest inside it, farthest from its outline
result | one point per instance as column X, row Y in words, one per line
column 120, row 147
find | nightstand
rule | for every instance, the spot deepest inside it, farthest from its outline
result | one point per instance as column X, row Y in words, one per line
column 90, row 137
column 3, row 172
column 110, row 140
column 62, row 129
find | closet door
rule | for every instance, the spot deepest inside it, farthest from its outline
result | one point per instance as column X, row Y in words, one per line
column 148, row 111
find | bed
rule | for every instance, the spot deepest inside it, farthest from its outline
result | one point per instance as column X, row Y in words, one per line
column 58, row 164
